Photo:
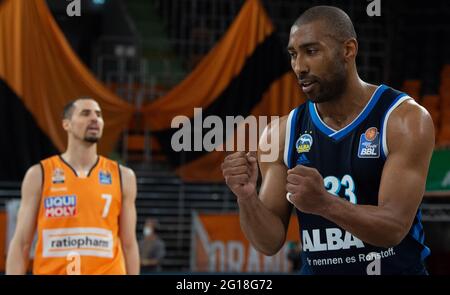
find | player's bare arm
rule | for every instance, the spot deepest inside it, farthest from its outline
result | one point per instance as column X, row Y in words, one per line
column 410, row 139
column 19, row 248
column 264, row 217
column 127, row 223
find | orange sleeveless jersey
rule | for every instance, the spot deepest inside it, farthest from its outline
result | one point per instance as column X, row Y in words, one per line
column 78, row 220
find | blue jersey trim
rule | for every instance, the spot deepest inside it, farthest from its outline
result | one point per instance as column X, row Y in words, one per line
column 305, row 269
column 337, row 135
column 292, row 137
column 418, row 234
column 425, row 252
column 373, row 101
column 318, row 121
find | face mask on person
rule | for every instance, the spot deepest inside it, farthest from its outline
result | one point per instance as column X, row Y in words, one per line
column 148, row 231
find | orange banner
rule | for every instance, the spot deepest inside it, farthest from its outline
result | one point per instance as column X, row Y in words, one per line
column 38, row 64
column 205, row 83
column 219, row 245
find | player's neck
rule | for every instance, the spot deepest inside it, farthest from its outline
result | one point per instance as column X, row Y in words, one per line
column 341, row 111
column 82, row 157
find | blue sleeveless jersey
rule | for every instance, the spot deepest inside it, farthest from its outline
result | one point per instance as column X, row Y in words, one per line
column 351, row 162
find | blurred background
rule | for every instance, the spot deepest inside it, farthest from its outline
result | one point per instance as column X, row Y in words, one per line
column 147, row 61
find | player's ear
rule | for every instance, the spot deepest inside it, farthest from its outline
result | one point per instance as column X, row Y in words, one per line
column 350, row 49
column 65, row 124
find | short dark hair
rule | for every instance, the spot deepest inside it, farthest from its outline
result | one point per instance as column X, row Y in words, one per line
column 336, row 21
column 68, row 108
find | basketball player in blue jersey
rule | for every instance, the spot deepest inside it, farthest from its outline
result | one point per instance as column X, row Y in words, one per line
column 353, row 162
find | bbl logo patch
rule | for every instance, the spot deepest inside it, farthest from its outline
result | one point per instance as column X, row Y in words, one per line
column 58, row 176
column 304, row 143
column 104, row 177
column 369, row 144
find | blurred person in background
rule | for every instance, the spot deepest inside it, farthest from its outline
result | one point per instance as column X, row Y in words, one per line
column 81, row 204
column 152, row 248
column 293, row 256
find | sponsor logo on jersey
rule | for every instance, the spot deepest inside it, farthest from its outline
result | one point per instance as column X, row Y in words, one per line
column 104, row 177
column 329, row 239
column 58, row 176
column 86, row 241
column 304, row 143
column 303, row 160
column 60, row 206
column 369, row 144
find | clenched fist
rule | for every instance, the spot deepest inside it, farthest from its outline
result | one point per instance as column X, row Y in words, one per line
column 241, row 173
column 305, row 190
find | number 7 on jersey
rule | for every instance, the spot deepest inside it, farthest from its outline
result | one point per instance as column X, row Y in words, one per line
column 108, row 199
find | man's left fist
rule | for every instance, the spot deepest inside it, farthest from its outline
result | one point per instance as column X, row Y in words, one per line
column 305, row 190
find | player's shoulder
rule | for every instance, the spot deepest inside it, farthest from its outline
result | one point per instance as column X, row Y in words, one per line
column 274, row 132
column 127, row 173
column 412, row 114
column 34, row 171
column 33, row 178
column 112, row 164
column 410, row 122
column 277, row 123
column 50, row 159
column 272, row 143
column 128, row 181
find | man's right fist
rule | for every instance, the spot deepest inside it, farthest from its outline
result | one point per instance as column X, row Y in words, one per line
column 241, row 173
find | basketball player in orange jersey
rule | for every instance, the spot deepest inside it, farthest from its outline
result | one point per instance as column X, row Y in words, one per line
column 82, row 204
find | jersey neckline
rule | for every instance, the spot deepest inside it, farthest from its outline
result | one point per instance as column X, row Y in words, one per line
column 338, row 134
column 75, row 172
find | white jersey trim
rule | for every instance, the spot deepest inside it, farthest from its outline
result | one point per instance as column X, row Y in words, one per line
column 384, row 145
column 287, row 143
